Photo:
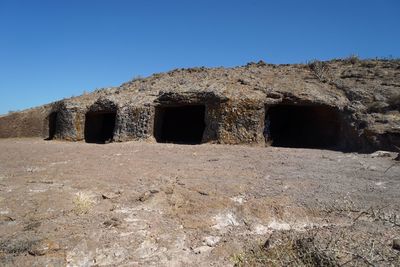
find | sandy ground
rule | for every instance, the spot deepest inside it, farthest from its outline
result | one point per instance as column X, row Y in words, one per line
column 140, row 204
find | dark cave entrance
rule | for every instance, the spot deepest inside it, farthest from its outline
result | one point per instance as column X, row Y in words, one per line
column 52, row 125
column 179, row 124
column 99, row 127
column 303, row 126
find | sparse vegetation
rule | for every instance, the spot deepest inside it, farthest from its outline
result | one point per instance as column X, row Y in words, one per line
column 320, row 70
column 137, row 78
column 352, row 59
column 17, row 246
column 318, row 247
column 238, row 259
column 82, row 203
column 287, row 251
column 389, row 58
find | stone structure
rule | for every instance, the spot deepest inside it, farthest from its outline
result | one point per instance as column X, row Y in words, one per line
column 348, row 105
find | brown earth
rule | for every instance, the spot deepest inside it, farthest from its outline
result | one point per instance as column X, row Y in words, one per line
column 141, row 204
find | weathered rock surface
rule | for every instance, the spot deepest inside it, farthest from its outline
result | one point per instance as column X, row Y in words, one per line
column 364, row 95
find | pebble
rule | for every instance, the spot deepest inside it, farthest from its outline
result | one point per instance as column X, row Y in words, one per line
column 43, row 247
column 211, row 241
column 372, row 168
column 381, row 154
column 110, row 195
column 145, row 196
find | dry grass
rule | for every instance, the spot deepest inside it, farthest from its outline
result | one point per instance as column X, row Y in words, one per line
column 352, row 59
column 288, row 250
column 82, row 203
column 17, row 246
column 320, row 70
column 355, row 243
column 320, row 247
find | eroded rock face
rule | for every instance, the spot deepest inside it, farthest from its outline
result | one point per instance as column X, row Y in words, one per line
column 364, row 95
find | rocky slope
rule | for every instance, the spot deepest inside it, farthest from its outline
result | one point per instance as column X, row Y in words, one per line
column 363, row 95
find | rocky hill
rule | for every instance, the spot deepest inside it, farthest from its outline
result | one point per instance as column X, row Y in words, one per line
column 349, row 104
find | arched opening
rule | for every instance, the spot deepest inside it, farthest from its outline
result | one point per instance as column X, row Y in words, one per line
column 303, row 126
column 179, row 124
column 99, row 127
column 52, row 125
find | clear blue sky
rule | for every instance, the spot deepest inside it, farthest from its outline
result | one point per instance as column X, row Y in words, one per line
column 58, row 48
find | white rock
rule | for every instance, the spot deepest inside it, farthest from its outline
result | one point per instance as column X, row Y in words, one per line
column 211, row 241
column 238, row 199
column 260, row 229
column 224, row 220
column 280, row 226
column 381, row 154
column 372, row 168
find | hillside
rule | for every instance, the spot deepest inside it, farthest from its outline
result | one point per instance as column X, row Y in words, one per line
column 361, row 98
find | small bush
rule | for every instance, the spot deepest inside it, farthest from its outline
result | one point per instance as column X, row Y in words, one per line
column 137, row 78
column 17, row 246
column 320, row 70
column 352, row 59
column 289, row 251
column 82, row 203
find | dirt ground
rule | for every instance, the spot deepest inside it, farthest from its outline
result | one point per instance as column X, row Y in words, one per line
column 141, row 204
